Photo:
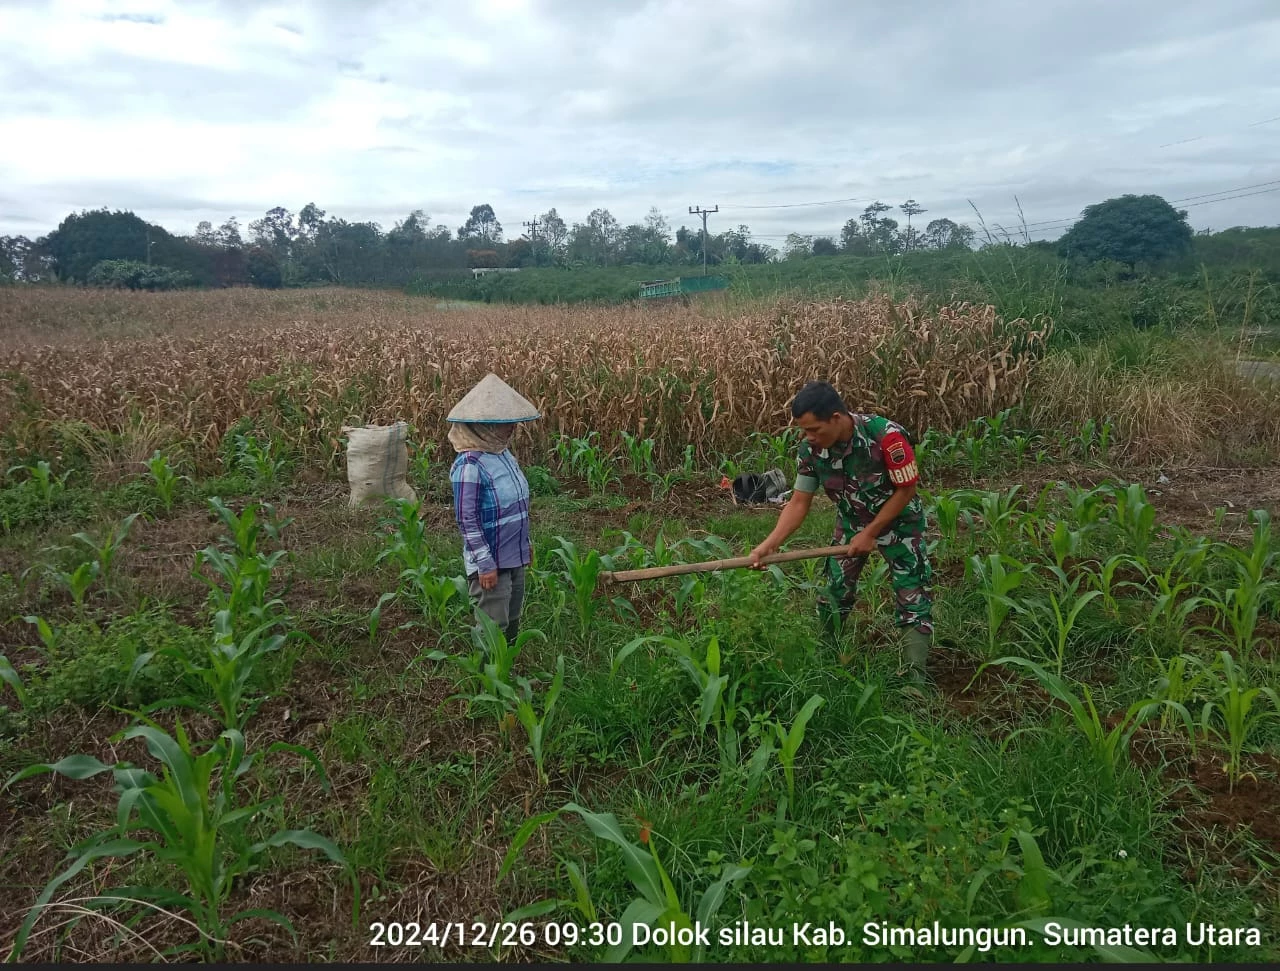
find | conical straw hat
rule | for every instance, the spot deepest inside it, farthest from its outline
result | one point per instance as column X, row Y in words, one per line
column 493, row 401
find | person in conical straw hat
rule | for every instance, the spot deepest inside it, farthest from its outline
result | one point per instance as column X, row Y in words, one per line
column 491, row 499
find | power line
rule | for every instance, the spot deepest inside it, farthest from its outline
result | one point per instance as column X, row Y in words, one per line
column 1038, row 224
column 797, row 205
column 1237, row 189
column 1041, row 228
column 1205, row 202
column 835, row 202
column 1187, row 199
column 1243, row 195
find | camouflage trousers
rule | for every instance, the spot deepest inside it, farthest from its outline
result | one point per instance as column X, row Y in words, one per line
column 903, row 547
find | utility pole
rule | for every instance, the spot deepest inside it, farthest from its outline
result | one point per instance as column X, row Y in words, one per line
column 695, row 211
column 533, row 239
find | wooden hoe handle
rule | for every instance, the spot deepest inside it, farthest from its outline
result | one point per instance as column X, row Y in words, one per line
column 737, row 562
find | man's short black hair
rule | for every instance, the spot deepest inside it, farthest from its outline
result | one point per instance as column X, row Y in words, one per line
column 817, row 397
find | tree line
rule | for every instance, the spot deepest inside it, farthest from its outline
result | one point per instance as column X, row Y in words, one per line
column 283, row 248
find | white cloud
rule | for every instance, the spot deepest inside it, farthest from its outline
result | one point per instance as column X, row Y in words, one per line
column 184, row 111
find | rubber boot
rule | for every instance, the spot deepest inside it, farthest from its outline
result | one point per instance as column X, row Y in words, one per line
column 915, row 649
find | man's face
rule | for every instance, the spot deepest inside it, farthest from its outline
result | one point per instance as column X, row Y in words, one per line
column 818, row 433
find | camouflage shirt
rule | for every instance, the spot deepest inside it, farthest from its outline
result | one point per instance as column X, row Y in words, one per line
column 861, row 475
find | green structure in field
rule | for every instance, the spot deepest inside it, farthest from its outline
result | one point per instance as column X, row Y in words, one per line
column 681, row 286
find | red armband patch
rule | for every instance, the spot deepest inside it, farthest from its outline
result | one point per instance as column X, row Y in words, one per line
column 899, row 459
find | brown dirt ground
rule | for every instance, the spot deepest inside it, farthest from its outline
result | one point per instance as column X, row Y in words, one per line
column 39, row 816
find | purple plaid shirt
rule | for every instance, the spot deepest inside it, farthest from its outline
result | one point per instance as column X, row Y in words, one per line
column 491, row 505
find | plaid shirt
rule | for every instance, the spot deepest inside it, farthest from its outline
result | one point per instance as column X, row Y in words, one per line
column 491, row 505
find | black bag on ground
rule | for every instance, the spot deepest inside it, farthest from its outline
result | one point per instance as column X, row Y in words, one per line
column 755, row 487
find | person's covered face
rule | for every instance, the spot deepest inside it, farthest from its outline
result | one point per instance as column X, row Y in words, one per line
column 820, row 433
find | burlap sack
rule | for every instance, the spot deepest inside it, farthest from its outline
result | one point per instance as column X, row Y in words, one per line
column 378, row 463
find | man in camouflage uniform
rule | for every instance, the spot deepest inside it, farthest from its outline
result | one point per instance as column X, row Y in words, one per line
column 868, row 469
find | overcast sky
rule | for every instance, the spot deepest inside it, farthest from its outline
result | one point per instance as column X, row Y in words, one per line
column 184, row 111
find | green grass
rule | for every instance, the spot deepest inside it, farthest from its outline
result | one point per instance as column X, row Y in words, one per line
column 982, row 813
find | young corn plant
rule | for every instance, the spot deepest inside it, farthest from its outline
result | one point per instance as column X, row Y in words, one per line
column 1109, row 746
column 997, row 577
column 562, row 446
column 1106, row 583
column 640, row 454
column 1179, row 679
column 226, row 671
column 1255, row 587
column 1094, row 439
column 246, row 529
column 490, row 667
column 420, row 463
column 691, row 596
column 1063, row 541
column 104, row 550
column 663, row 482
column 1136, row 518
column 582, row 571
column 1241, row 712
column 704, row 673
column 591, row 462
column 79, row 579
column 406, row 544
column 442, row 599
column 999, row 512
column 657, row 901
column 50, row 486
column 164, row 480
column 258, row 460
column 239, row 586
column 538, row 729
column 689, row 461
column 790, row 740
column 9, row 675
column 1172, row 605
column 190, row 817
column 1021, row 444
column 947, row 513
column 1088, row 506
column 1053, row 627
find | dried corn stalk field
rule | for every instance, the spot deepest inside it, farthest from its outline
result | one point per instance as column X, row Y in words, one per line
column 184, row 368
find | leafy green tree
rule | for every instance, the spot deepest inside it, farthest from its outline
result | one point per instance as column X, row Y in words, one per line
column 264, row 269
column 132, row 275
column 24, row 261
column 598, row 240
column 945, row 234
column 1130, row 229
column 853, row 240
column 275, row 231
column 798, row 246
column 553, row 235
column 520, row 252
column 481, row 227
column 85, row 239
column 911, row 208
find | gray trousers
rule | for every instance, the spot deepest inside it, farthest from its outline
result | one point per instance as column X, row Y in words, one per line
column 503, row 603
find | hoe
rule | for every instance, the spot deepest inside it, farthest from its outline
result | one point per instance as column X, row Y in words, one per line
column 608, row 578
